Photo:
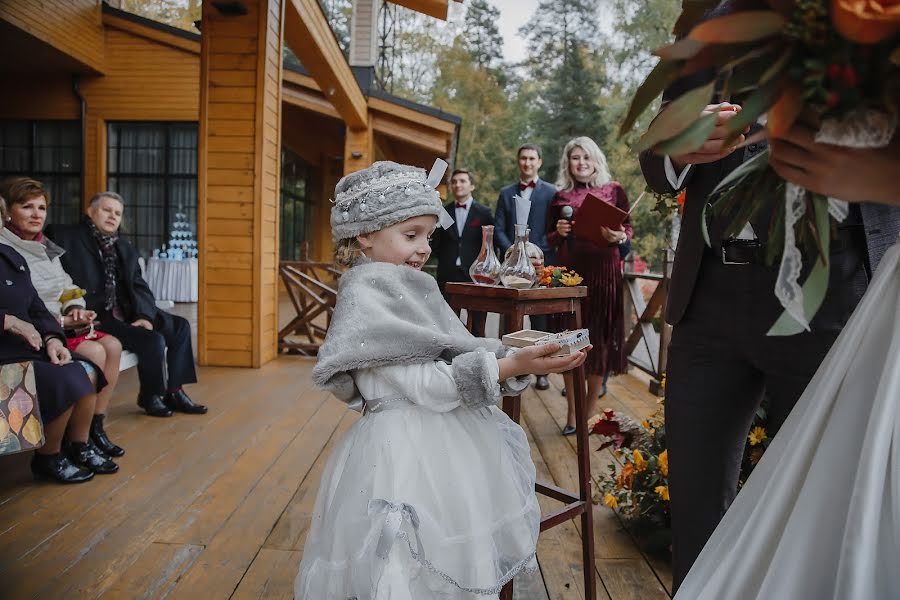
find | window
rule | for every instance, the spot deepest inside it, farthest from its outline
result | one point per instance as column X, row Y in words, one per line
column 154, row 167
column 295, row 204
column 49, row 151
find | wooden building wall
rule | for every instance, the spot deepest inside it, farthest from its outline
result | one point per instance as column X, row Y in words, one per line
column 73, row 27
column 240, row 128
column 146, row 80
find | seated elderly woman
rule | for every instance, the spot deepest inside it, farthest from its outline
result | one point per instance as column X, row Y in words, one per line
column 25, row 216
column 66, row 395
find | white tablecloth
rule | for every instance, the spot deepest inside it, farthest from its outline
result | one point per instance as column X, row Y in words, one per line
column 174, row 280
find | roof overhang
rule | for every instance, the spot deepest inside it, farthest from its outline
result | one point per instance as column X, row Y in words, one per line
column 433, row 8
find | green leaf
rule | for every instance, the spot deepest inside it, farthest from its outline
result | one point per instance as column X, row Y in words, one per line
column 677, row 116
column 744, row 26
column 691, row 138
column 756, row 104
column 756, row 163
column 816, row 284
column 680, row 50
column 662, row 75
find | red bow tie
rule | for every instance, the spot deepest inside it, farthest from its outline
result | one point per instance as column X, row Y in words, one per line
column 458, row 205
column 522, row 186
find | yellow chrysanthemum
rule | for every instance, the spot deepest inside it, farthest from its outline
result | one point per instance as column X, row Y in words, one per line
column 645, row 424
column 610, row 501
column 639, row 462
column 664, row 463
column 757, row 435
column 662, row 491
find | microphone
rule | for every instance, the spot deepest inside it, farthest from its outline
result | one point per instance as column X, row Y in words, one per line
column 566, row 213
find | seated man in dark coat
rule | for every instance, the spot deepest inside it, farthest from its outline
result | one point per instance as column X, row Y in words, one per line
column 107, row 267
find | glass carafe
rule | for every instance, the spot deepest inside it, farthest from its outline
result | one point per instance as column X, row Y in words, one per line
column 517, row 271
column 486, row 268
column 535, row 254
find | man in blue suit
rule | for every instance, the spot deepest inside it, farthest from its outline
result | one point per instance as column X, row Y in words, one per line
column 511, row 211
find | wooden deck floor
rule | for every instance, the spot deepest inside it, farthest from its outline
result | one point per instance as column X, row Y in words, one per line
column 218, row 506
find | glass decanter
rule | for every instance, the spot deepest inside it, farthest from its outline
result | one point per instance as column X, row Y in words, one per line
column 486, row 268
column 535, row 254
column 517, row 270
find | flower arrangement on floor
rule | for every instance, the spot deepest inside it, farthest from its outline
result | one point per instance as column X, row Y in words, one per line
column 835, row 62
column 638, row 488
column 558, row 277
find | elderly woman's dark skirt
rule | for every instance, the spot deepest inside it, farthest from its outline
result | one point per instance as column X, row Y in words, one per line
column 59, row 387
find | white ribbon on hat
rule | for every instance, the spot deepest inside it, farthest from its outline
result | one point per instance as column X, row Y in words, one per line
column 435, row 176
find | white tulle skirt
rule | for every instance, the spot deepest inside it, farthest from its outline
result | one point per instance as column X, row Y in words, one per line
column 819, row 517
column 415, row 504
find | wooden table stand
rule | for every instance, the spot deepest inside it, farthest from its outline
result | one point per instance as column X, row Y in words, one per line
column 512, row 305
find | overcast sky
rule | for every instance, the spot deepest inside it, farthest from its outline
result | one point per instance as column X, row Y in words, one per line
column 514, row 14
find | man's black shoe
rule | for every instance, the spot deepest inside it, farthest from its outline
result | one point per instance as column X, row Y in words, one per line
column 154, row 405
column 182, row 403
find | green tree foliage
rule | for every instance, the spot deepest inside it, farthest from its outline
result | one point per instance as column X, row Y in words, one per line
column 178, row 13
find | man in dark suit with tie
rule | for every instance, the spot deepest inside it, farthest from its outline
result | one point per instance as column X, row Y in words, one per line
column 457, row 247
column 511, row 210
column 721, row 303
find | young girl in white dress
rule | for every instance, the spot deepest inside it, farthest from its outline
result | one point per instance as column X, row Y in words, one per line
column 430, row 494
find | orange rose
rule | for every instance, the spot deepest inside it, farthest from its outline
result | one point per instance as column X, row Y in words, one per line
column 866, row 21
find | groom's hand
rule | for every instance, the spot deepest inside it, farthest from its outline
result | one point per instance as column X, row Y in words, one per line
column 714, row 147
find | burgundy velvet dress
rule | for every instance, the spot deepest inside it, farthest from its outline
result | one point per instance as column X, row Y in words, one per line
column 601, row 268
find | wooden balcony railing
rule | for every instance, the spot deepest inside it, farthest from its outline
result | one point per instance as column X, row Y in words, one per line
column 647, row 343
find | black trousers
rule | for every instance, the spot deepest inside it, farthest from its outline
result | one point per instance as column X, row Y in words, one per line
column 458, row 275
column 157, row 368
column 721, row 364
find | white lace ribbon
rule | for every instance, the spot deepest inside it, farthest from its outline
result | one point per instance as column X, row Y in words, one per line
column 861, row 129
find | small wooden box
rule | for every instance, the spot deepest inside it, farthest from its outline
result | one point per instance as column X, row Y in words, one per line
column 570, row 341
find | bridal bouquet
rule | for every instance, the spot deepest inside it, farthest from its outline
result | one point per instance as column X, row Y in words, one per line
column 836, row 62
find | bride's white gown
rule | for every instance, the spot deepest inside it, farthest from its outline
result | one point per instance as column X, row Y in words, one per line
column 819, row 517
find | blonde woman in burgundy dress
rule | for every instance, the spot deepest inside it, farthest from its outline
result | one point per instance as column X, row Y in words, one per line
column 583, row 170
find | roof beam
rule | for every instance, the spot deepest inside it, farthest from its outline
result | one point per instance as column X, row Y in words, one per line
column 433, row 8
column 307, row 32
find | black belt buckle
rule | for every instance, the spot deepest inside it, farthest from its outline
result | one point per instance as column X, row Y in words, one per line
column 740, row 252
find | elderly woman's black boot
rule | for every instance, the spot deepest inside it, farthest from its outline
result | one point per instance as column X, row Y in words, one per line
column 85, row 454
column 101, row 440
column 57, row 467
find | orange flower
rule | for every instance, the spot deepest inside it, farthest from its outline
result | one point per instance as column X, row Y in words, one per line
column 866, row 21
column 639, row 461
column 626, row 476
column 610, row 501
column 664, row 463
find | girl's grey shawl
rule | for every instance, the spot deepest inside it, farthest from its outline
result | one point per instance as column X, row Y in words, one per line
column 388, row 315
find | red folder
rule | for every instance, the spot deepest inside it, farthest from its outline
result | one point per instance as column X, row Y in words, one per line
column 593, row 214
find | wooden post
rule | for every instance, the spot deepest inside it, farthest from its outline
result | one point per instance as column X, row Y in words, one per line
column 359, row 148
column 239, row 176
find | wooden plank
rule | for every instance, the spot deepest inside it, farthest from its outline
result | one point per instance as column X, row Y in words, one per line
column 231, row 551
column 216, row 226
column 229, row 127
column 232, row 358
column 230, row 177
column 559, row 548
column 109, row 536
column 161, row 566
column 225, row 325
column 271, row 575
column 227, row 341
column 289, row 533
column 229, row 309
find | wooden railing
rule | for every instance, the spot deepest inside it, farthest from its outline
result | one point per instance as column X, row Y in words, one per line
column 647, row 344
column 312, row 289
